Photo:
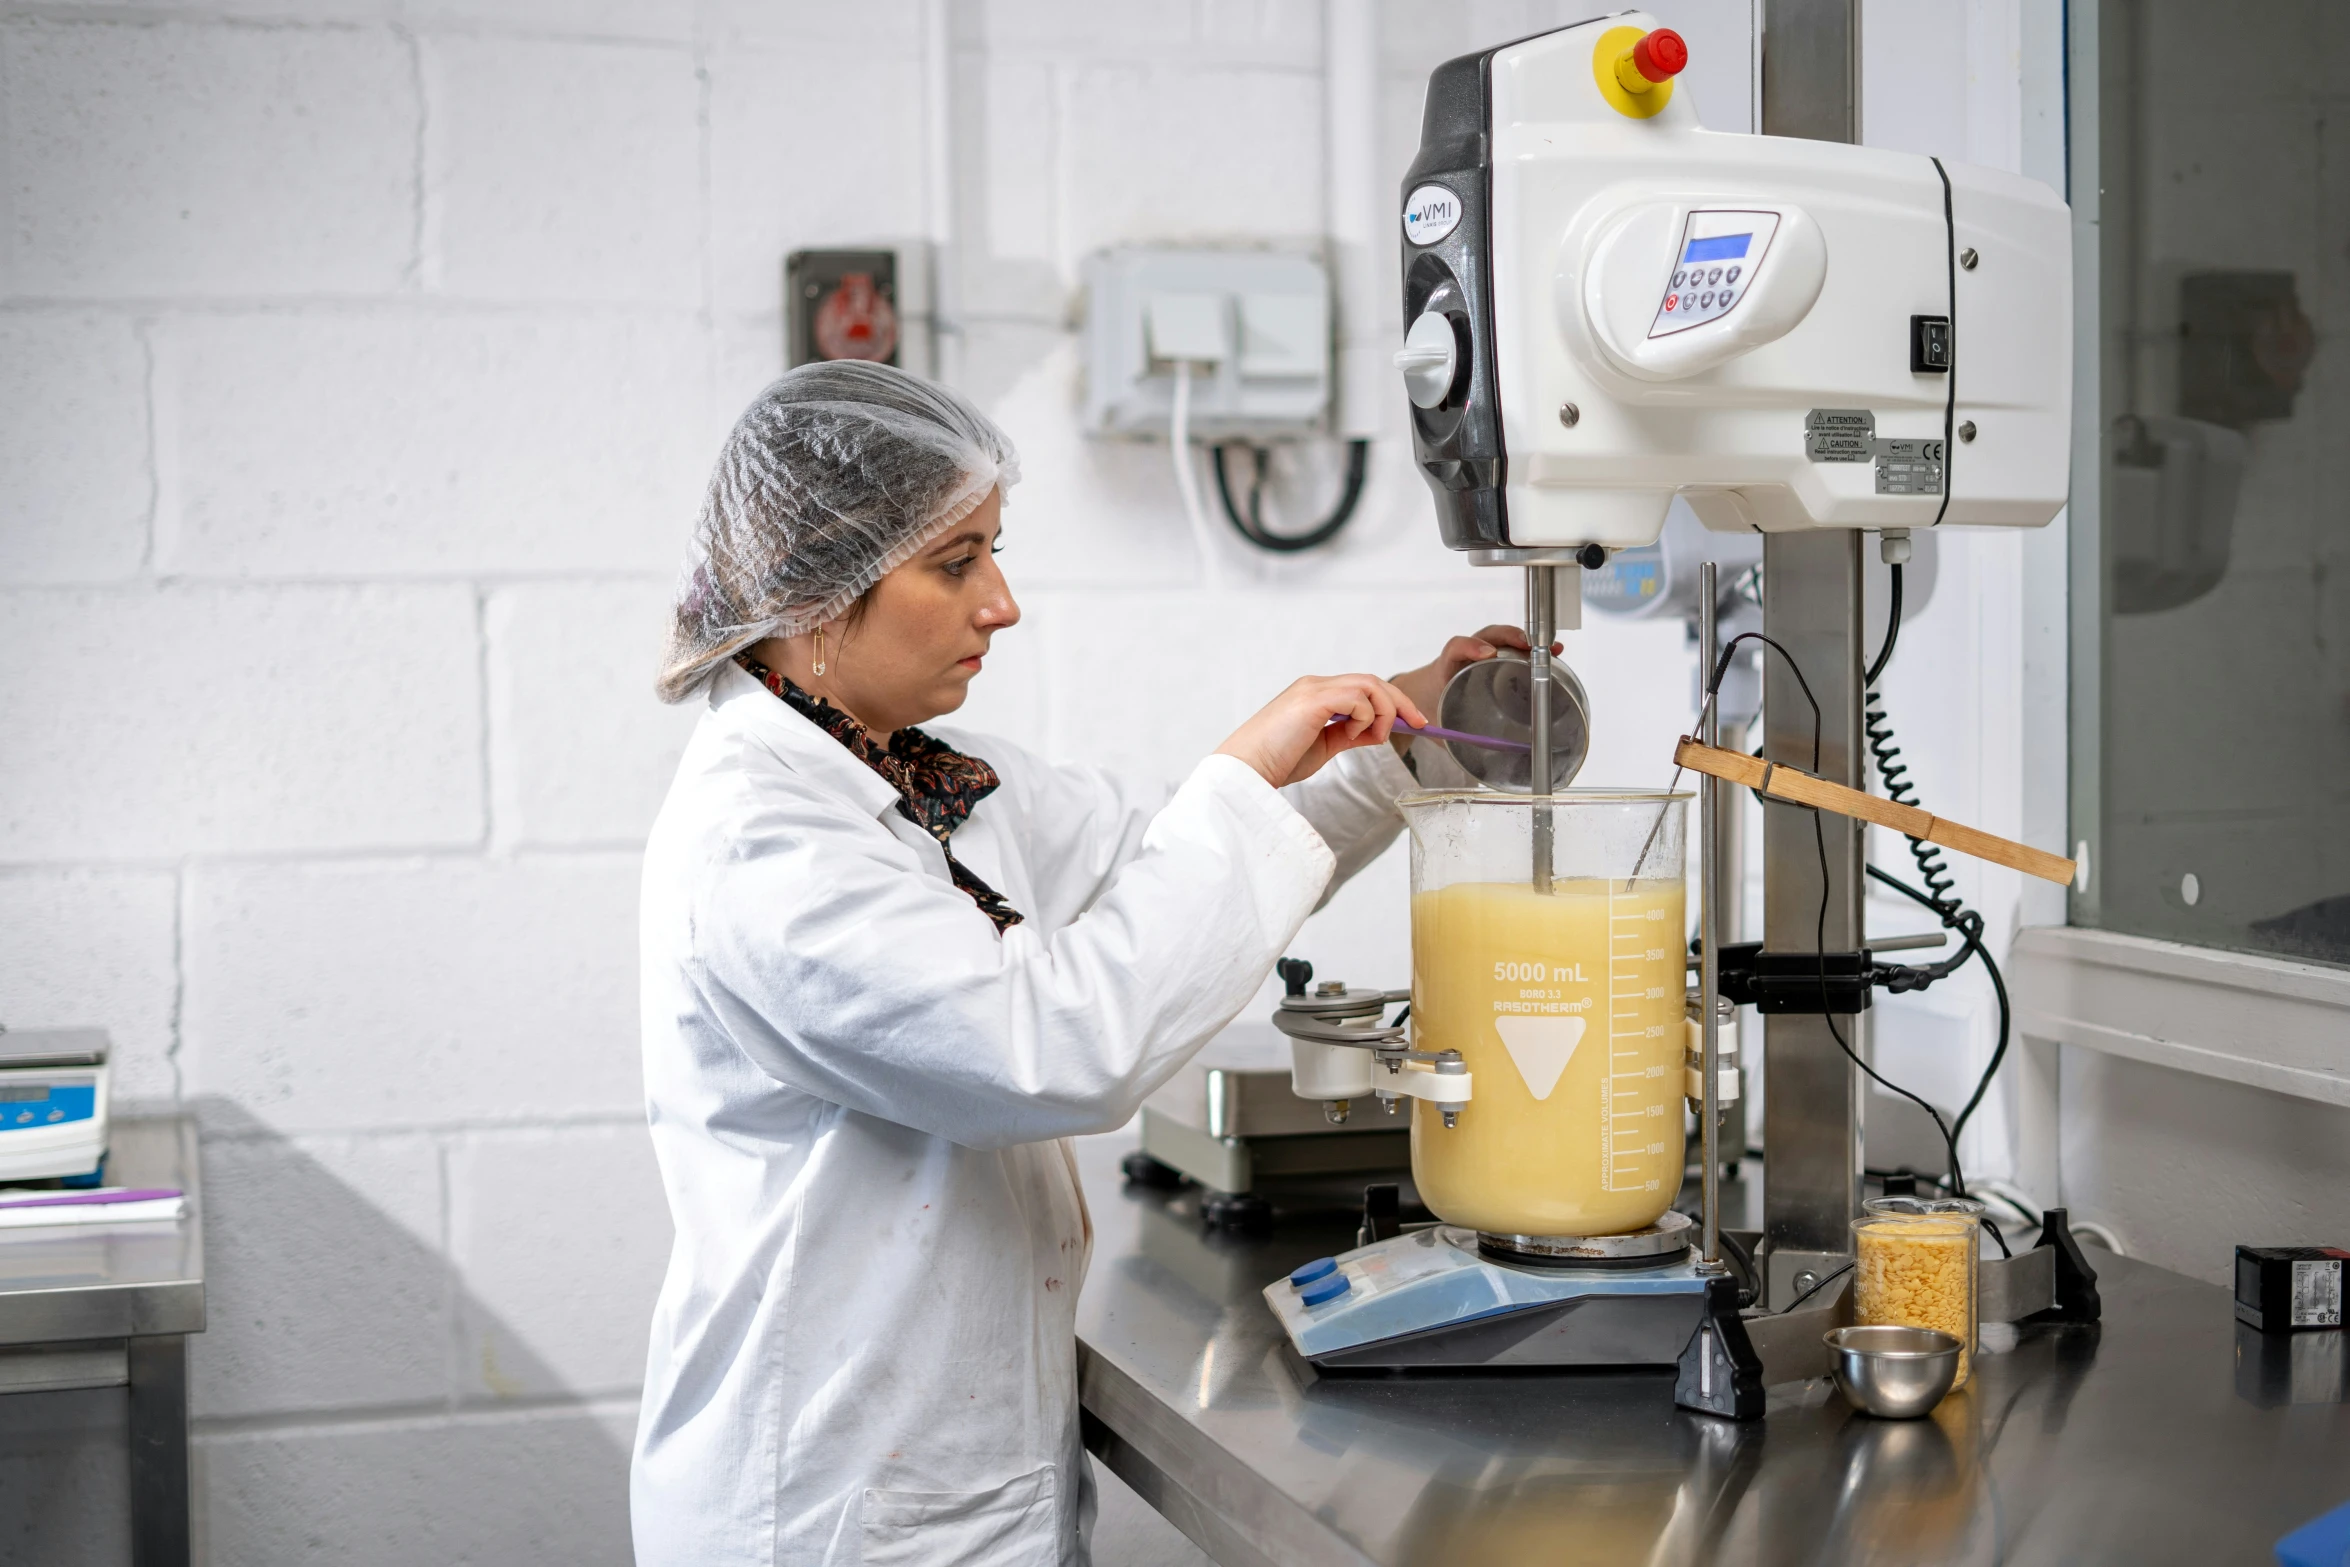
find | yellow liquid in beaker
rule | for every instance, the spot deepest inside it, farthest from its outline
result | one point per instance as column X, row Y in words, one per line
column 1567, row 1009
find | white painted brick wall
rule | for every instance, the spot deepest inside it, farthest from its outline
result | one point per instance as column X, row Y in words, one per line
column 543, row 1485
column 798, row 159
column 361, row 364
column 353, row 995
column 562, row 171
column 183, row 160
column 148, row 723
column 559, row 651
column 77, row 946
column 326, row 1279
column 559, row 1238
column 443, row 443
column 73, row 442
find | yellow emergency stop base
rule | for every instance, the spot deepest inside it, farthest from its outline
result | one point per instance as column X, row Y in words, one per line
column 1612, row 55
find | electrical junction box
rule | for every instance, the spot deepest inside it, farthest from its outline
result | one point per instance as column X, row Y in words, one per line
column 1254, row 326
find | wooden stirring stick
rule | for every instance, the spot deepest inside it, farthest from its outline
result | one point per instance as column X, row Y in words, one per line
column 1798, row 787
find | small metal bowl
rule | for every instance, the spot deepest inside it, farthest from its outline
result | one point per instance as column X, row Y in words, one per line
column 1893, row 1373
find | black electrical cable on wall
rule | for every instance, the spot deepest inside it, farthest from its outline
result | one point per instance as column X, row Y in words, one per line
column 1249, row 522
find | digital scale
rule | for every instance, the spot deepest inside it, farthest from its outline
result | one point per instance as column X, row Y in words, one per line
column 53, row 1103
column 1446, row 1296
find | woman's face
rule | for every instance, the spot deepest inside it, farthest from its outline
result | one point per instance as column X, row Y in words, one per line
column 927, row 624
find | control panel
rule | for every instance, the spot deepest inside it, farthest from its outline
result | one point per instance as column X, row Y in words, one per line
column 1719, row 254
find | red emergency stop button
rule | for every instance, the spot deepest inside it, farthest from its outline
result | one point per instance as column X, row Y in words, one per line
column 1660, row 55
column 1634, row 70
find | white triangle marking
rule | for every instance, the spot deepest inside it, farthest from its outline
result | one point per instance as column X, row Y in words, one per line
column 1542, row 1047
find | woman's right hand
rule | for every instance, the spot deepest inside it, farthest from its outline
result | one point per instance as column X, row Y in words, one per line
column 1315, row 719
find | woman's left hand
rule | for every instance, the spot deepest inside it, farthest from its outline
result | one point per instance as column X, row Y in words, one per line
column 1425, row 685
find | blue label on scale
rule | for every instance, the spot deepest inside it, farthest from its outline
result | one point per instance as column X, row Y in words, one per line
column 46, row 1104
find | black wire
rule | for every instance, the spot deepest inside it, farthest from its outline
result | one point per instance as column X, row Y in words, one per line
column 1953, row 915
column 1820, row 935
column 1949, row 1139
column 1950, row 372
column 1940, row 895
column 1892, row 634
column 1713, row 686
column 1253, row 529
column 1741, row 1263
column 1814, row 1290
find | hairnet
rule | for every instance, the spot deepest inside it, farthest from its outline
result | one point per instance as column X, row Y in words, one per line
column 836, row 473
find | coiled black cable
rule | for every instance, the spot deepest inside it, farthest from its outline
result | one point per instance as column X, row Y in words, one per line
column 1877, row 728
column 1940, row 892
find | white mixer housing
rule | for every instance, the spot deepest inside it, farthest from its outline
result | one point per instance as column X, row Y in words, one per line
column 1747, row 321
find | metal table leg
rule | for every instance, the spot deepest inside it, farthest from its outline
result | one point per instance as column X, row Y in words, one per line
column 159, row 1451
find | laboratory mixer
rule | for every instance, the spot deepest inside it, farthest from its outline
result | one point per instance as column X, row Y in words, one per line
column 1609, row 308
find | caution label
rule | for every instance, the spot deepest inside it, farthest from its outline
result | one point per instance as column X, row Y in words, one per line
column 1840, row 435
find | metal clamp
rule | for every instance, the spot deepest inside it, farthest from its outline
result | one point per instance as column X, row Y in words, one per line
column 1336, row 1015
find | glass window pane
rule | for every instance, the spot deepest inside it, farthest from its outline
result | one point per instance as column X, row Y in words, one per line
column 2223, row 714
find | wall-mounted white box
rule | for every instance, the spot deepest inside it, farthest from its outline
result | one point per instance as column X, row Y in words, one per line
column 1253, row 324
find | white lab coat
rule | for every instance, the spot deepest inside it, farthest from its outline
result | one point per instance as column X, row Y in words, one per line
column 864, row 1351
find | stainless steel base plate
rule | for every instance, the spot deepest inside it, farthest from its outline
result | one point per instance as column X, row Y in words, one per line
column 1667, row 1240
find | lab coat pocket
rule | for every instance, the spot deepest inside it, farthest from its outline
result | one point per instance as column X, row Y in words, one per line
column 1012, row 1525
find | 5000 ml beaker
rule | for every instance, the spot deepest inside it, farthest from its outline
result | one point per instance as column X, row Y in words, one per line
column 1566, row 1007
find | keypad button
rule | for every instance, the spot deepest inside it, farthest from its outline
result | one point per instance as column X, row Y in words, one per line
column 1715, row 276
column 1678, row 277
column 1732, row 275
column 1726, row 297
column 1705, row 300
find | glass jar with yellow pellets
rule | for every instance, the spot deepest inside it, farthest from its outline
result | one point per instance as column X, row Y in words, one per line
column 1914, row 1266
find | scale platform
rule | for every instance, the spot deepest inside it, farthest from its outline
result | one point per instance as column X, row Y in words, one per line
column 1439, row 1298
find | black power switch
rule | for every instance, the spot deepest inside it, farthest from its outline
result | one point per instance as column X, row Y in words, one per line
column 1929, row 345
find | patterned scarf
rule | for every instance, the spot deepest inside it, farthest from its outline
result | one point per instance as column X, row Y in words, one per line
column 937, row 785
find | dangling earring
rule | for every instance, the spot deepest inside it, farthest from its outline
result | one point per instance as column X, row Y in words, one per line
column 819, row 664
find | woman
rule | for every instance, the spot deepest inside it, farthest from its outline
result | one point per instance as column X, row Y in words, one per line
column 886, row 971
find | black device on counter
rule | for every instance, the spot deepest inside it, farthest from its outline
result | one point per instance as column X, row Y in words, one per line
column 2284, row 1289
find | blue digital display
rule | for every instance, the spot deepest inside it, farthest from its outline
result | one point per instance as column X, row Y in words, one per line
column 1722, row 247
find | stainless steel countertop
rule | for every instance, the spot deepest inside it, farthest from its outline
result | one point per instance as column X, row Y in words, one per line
column 2166, row 1434
column 111, row 1282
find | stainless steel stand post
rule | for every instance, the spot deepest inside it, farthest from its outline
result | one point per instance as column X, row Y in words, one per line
column 1811, row 1102
column 1727, row 821
column 1709, row 906
column 1541, row 627
column 1811, row 606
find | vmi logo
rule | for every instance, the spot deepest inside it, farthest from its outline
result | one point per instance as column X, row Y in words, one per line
column 1430, row 214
